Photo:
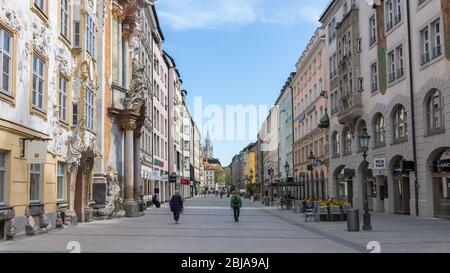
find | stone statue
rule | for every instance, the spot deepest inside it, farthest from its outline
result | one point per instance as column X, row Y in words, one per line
column 135, row 96
column 113, row 207
column 74, row 147
column 10, row 228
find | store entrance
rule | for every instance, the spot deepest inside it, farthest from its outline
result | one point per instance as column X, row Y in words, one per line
column 441, row 183
column 402, row 194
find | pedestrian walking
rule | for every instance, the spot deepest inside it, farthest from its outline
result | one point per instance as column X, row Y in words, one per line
column 176, row 206
column 236, row 205
column 155, row 201
column 221, row 194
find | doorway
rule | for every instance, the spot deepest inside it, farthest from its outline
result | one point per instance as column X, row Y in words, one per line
column 402, row 194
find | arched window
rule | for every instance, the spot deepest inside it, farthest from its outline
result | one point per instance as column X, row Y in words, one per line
column 379, row 130
column 336, row 144
column 434, row 112
column 361, row 127
column 347, row 137
column 400, row 123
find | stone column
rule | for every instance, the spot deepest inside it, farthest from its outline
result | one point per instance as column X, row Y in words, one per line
column 138, row 190
column 130, row 205
column 73, row 179
column 159, row 191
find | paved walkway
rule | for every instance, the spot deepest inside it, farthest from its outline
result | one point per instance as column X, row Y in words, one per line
column 207, row 225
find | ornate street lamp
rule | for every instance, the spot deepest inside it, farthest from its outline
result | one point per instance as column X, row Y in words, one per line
column 364, row 139
column 286, row 168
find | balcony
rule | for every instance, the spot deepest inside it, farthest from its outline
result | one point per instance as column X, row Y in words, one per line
column 350, row 108
column 436, row 52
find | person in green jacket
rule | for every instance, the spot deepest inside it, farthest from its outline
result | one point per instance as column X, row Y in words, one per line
column 236, row 205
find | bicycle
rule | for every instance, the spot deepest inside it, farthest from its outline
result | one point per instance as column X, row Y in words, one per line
column 280, row 204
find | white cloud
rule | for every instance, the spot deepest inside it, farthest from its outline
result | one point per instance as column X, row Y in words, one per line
column 221, row 14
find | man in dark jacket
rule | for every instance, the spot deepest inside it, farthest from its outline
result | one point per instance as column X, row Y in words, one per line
column 176, row 206
column 236, row 205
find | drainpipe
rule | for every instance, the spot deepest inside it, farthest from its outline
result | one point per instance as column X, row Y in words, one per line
column 413, row 118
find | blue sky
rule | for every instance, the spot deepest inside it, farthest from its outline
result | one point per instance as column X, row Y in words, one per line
column 232, row 52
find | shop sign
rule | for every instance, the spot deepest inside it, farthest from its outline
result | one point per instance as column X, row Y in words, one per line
column 173, row 179
column 36, row 152
column 156, row 175
column 379, row 163
column 349, row 172
column 165, row 178
column 443, row 166
column 408, row 166
column 185, row 182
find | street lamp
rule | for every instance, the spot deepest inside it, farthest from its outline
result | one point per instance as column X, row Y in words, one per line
column 286, row 168
column 364, row 139
column 312, row 162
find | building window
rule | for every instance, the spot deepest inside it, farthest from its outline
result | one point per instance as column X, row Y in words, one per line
column 435, row 112
column 116, row 45
column 430, row 42
column 374, row 77
column 6, row 46
column 373, row 30
column 75, row 114
column 38, row 83
column 400, row 124
column 63, row 95
column 35, row 182
column 65, row 18
column 336, row 145
column 60, row 181
column 89, row 106
column 90, row 35
column 3, row 177
column 347, row 141
column 41, row 5
column 380, row 138
column 396, row 64
column 393, row 11
column 332, row 30
column 76, row 34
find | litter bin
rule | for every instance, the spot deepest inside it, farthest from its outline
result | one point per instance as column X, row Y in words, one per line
column 353, row 220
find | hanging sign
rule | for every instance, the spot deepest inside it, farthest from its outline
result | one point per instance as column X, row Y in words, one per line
column 443, row 166
column 156, row 175
column 185, row 182
column 36, row 152
column 379, row 163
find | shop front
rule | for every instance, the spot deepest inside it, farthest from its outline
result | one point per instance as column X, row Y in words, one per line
column 344, row 184
column 441, row 185
column 401, row 180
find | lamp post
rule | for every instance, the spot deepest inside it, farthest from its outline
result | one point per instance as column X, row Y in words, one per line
column 286, row 169
column 364, row 139
column 312, row 162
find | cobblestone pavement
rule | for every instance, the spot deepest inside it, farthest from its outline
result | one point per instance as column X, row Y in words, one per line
column 207, row 225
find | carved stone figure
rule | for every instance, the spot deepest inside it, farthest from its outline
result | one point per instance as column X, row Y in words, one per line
column 74, row 147
column 10, row 229
column 30, row 227
column 135, row 96
column 43, row 221
column 113, row 207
